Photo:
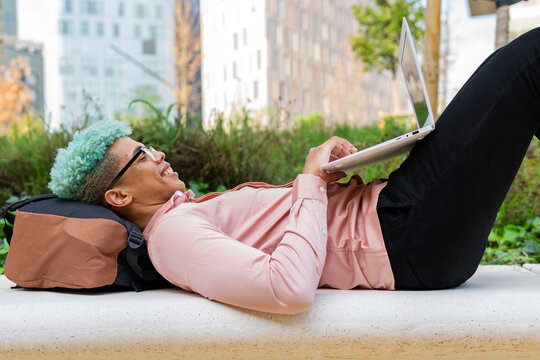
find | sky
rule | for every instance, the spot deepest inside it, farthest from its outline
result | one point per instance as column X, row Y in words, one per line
column 472, row 39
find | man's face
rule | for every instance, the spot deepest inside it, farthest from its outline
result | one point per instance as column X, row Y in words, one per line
column 148, row 181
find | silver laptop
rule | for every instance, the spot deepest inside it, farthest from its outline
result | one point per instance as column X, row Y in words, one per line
column 418, row 96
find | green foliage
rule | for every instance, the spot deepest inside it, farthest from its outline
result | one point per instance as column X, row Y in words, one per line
column 377, row 40
column 27, row 153
column 200, row 188
column 523, row 199
column 4, row 247
column 514, row 244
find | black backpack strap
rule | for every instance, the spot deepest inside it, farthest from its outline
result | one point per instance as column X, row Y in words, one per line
column 137, row 254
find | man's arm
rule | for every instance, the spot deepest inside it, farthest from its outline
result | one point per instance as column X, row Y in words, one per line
column 195, row 255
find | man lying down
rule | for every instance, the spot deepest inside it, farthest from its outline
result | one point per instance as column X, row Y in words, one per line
column 269, row 248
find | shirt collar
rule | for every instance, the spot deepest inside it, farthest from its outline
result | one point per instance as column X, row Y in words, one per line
column 177, row 199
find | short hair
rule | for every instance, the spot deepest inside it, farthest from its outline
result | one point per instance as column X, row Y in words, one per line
column 83, row 170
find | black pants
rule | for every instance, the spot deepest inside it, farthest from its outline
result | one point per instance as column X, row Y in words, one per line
column 438, row 208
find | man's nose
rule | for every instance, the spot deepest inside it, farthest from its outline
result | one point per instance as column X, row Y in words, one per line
column 160, row 156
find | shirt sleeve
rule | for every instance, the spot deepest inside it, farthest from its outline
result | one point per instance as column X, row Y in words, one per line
column 196, row 256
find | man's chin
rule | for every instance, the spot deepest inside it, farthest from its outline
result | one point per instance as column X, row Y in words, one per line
column 179, row 186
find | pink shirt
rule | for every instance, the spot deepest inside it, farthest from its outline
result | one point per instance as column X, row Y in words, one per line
column 268, row 248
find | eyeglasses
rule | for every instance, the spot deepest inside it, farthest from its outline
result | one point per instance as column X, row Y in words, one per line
column 143, row 149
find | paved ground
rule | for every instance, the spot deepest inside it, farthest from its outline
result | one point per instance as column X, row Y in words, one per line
column 496, row 314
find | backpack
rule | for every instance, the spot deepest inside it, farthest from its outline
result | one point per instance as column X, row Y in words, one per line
column 59, row 243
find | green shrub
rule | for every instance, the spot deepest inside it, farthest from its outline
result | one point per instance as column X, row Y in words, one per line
column 523, row 199
column 4, row 247
column 514, row 244
column 27, row 153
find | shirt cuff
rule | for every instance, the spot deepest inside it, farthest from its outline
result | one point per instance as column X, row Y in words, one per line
column 308, row 186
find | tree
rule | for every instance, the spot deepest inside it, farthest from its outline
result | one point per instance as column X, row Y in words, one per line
column 377, row 40
column 188, row 57
column 15, row 95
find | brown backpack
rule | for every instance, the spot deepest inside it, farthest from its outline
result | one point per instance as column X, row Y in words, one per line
column 58, row 243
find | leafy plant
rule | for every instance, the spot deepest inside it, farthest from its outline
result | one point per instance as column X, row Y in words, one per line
column 514, row 244
column 4, row 246
column 200, row 188
column 26, row 156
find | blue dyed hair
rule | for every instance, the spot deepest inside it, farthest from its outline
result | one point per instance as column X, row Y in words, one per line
column 82, row 155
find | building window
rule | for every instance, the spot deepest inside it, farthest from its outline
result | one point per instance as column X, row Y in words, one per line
column 270, row 31
column 259, row 59
column 153, row 32
column 66, row 27
column 89, row 67
column 329, row 29
column 84, row 28
column 66, row 66
column 140, row 11
column 316, row 52
column 149, row 47
column 113, row 91
column 113, row 68
column 159, row 11
column 71, row 90
column 282, row 9
column 235, row 41
column 100, row 29
column 68, row 6
column 276, row 60
column 255, row 90
column 121, row 9
column 244, row 35
column 234, row 73
column 116, row 30
column 225, row 73
column 137, row 31
column 92, row 7
column 303, row 20
column 282, row 91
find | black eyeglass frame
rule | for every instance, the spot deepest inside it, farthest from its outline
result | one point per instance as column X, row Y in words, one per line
column 140, row 150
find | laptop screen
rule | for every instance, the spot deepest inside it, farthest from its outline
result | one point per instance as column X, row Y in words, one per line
column 412, row 77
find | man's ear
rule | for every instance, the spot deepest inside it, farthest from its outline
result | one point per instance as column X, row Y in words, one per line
column 118, row 198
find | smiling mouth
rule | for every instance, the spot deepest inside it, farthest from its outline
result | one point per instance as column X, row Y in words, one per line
column 167, row 171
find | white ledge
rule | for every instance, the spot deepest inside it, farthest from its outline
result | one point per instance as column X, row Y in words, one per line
column 495, row 313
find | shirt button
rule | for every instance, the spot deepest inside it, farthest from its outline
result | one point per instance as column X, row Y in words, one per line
column 321, row 189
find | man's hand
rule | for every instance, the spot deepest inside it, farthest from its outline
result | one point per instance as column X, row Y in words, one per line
column 332, row 149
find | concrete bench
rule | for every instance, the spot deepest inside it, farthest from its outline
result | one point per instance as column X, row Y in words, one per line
column 495, row 315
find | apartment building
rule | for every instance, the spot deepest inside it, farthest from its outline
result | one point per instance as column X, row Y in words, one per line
column 286, row 57
column 107, row 50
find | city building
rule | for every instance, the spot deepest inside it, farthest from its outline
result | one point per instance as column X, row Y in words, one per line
column 108, row 51
column 290, row 58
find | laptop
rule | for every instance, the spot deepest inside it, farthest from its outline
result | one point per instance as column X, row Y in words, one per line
column 418, row 97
